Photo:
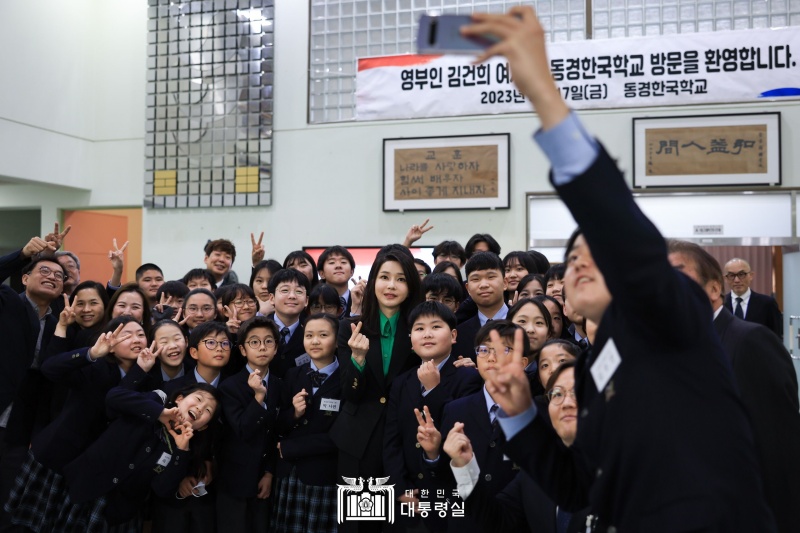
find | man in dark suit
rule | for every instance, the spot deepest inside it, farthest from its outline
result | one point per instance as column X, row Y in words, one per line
column 485, row 285
column 767, row 383
column 660, row 422
column 26, row 327
column 747, row 304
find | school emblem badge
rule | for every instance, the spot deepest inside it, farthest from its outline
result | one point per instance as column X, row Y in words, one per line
column 376, row 503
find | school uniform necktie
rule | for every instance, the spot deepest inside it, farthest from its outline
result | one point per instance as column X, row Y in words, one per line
column 317, row 378
column 738, row 311
column 343, row 304
column 493, row 416
column 284, row 335
column 562, row 520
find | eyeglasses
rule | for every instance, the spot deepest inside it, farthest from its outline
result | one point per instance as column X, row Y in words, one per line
column 256, row 343
column 730, row 276
column 447, row 300
column 454, row 257
column 46, row 272
column 484, row 351
column 205, row 309
column 244, row 303
column 212, row 344
column 557, row 395
column 300, row 293
column 324, row 308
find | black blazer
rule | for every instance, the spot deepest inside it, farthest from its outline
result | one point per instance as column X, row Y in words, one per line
column 83, row 417
column 284, row 358
column 761, row 309
column 366, row 394
column 305, row 442
column 249, row 436
column 122, row 464
column 402, row 454
column 657, row 443
column 768, row 384
column 465, row 339
column 487, row 445
column 521, row 505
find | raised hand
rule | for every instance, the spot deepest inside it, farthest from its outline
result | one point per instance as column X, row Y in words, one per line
column 147, row 357
column 56, row 237
column 357, row 295
column 514, row 300
column 38, row 245
column 182, row 439
column 105, row 343
column 416, row 232
column 509, row 385
column 428, row 436
column 233, row 322
column 428, row 375
column 458, row 446
column 266, row 308
column 256, row 382
column 169, row 416
column 67, row 316
column 117, row 256
column 358, row 343
column 264, row 486
column 299, row 402
column 257, row 254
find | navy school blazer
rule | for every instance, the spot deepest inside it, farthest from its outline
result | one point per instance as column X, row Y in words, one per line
column 285, row 357
column 247, row 449
column 83, row 417
column 305, row 442
column 132, row 456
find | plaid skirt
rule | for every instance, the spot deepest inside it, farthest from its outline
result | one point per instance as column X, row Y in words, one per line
column 40, row 501
column 302, row 508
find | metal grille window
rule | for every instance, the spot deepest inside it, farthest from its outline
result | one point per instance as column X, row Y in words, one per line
column 208, row 136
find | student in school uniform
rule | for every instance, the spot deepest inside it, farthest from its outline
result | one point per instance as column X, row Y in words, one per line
column 149, row 446
column 485, row 285
column 443, row 289
column 306, row 487
column 169, row 298
column 199, row 278
column 336, row 266
column 199, row 306
column 189, row 510
column 324, row 299
column 300, row 260
column 250, row 401
column 90, row 373
column 259, row 282
column 289, row 289
column 425, row 389
column 478, row 413
column 372, row 354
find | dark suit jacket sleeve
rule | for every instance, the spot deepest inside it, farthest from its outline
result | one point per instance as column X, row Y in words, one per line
column 538, row 450
column 601, row 203
column 243, row 414
column 66, row 367
column 124, row 401
column 774, row 317
column 497, row 513
column 12, row 263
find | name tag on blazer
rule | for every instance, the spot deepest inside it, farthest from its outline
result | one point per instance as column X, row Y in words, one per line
column 164, row 459
column 302, row 359
column 330, row 405
column 605, row 365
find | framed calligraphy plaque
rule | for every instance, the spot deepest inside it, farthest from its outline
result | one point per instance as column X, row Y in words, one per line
column 433, row 173
column 707, row 150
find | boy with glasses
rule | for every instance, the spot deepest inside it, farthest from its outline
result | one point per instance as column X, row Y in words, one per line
column 288, row 290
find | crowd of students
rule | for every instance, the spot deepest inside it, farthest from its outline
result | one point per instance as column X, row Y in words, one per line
column 204, row 404
column 122, row 380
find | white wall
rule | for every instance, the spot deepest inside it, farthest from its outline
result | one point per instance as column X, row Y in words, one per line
column 327, row 186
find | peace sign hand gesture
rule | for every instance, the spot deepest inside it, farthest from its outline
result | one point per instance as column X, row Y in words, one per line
column 358, row 343
column 117, row 256
column 257, row 253
column 233, row 322
column 147, row 357
column 67, row 316
column 57, row 238
column 105, row 343
column 509, row 385
column 428, row 436
column 416, row 232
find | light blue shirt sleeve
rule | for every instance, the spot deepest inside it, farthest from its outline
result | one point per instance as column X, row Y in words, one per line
column 570, row 149
column 511, row 425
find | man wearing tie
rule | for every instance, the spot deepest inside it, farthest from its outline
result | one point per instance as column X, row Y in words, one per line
column 746, row 304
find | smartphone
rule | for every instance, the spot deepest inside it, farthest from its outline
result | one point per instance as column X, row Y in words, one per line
column 441, row 35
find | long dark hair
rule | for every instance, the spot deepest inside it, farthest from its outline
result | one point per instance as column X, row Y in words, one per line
column 203, row 443
column 132, row 287
column 370, row 315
